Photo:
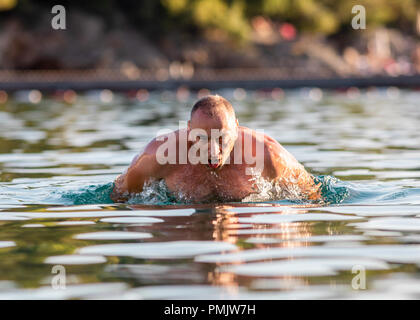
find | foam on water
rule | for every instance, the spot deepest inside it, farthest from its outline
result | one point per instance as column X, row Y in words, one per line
column 333, row 191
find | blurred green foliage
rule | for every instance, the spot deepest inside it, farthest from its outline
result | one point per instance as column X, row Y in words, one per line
column 322, row 16
column 234, row 16
column 7, row 4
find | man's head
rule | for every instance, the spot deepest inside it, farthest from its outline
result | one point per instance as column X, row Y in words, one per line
column 215, row 115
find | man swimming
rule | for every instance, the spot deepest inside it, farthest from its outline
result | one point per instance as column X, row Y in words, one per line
column 215, row 160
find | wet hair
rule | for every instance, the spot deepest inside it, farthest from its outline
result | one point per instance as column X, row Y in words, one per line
column 211, row 104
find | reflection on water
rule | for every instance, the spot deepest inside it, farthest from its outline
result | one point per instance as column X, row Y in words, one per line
column 57, row 163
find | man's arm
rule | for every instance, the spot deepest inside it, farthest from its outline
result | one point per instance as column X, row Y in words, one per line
column 143, row 167
column 280, row 165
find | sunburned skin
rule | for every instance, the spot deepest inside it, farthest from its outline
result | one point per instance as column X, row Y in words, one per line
column 225, row 175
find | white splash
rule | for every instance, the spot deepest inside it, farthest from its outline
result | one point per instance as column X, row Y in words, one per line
column 281, row 189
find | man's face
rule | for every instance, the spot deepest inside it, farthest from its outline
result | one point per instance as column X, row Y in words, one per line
column 221, row 133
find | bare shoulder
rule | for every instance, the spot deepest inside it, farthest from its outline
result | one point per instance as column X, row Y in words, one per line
column 277, row 159
column 145, row 165
column 156, row 149
column 171, row 137
column 251, row 137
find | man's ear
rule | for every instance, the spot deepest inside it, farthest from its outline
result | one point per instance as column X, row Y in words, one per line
column 237, row 122
column 189, row 125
